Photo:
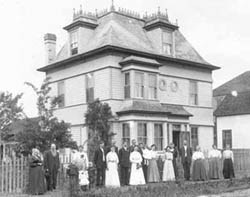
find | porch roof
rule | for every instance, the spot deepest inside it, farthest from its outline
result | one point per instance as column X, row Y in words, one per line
column 154, row 108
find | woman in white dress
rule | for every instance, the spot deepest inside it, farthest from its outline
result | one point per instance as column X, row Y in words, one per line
column 168, row 169
column 214, row 156
column 112, row 177
column 136, row 175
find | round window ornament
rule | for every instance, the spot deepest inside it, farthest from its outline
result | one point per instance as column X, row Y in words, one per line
column 163, row 85
column 174, row 86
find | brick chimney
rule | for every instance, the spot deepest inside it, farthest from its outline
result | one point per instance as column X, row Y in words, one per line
column 50, row 48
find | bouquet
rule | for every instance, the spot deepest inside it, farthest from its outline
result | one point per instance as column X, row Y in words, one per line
column 138, row 165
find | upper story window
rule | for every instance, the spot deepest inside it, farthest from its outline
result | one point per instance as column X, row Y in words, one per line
column 152, row 86
column 193, row 93
column 139, row 85
column 61, row 93
column 89, row 87
column 74, row 42
column 127, row 85
column 167, row 42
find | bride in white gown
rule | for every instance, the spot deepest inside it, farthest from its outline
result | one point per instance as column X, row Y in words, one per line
column 136, row 176
column 112, row 177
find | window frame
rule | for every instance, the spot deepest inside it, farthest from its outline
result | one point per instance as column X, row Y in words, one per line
column 160, row 145
column 61, row 95
column 90, row 95
column 140, row 86
column 224, row 138
column 193, row 95
column 74, row 42
column 194, row 131
column 126, row 137
column 166, row 43
column 127, row 85
column 153, row 87
column 142, row 138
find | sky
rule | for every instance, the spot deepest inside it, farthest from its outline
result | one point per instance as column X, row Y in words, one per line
column 218, row 29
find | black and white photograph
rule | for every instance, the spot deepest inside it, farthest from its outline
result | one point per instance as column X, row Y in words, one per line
column 123, row 98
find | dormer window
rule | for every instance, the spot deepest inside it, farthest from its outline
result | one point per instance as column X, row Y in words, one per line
column 167, row 43
column 74, row 42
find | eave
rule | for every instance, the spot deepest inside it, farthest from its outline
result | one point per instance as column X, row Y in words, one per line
column 111, row 48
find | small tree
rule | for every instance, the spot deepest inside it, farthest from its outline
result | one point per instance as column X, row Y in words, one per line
column 46, row 129
column 10, row 111
column 97, row 119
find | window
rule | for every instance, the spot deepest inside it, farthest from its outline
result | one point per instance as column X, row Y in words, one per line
column 142, row 133
column 61, row 93
column 167, row 42
column 125, row 133
column 158, row 136
column 127, row 85
column 74, row 42
column 194, row 137
column 193, row 93
column 226, row 138
column 152, row 86
column 139, row 85
column 90, row 87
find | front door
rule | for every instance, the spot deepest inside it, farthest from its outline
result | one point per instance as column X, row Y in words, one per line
column 176, row 135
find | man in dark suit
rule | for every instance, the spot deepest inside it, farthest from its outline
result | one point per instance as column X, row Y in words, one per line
column 186, row 156
column 131, row 148
column 124, row 164
column 51, row 166
column 100, row 163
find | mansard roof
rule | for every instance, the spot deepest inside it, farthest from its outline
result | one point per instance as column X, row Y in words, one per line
column 118, row 30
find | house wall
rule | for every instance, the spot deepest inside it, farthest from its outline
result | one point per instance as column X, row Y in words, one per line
column 109, row 87
column 240, row 127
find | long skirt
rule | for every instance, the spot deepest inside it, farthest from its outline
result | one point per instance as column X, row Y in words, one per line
column 36, row 181
column 136, row 175
column 228, row 169
column 168, row 171
column 199, row 171
column 112, row 177
column 214, row 166
column 153, row 171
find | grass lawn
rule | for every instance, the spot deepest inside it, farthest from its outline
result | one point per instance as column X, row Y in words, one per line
column 172, row 189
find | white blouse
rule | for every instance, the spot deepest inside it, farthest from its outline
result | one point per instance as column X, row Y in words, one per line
column 153, row 154
column 198, row 155
column 227, row 154
column 214, row 153
column 135, row 157
column 81, row 160
column 146, row 153
column 168, row 156
column 112, row 157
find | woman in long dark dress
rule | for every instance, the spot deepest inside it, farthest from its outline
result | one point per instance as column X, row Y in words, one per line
column 228, row 168
column 199, row 171
column 36, row 174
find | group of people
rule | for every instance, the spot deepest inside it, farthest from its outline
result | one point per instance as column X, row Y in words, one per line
column 43, row 170
column 137, row 164
column 131, row 165
column 199, row 172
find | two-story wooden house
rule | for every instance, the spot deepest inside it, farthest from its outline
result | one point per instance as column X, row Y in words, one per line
column 158, row 86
